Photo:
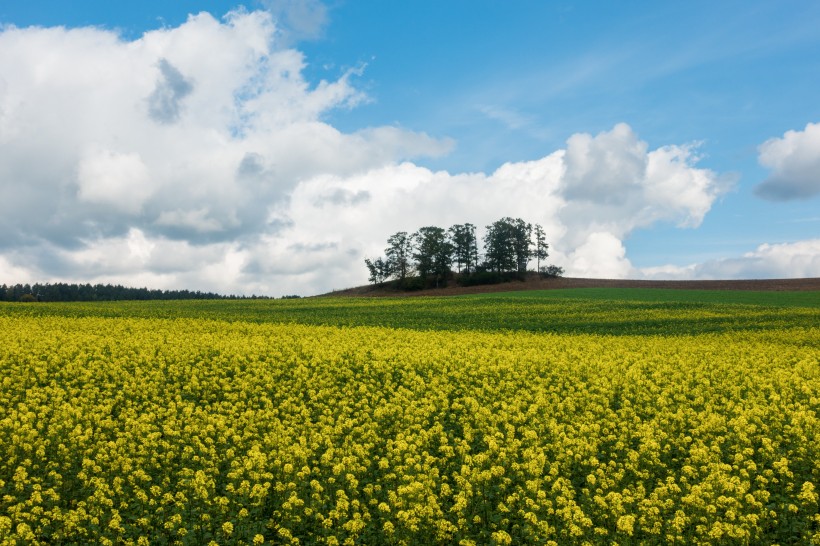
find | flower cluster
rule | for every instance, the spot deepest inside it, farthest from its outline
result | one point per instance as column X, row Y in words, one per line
column 128, row 430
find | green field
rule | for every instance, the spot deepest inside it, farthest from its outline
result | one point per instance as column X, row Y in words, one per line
column 585, row 310
column 581, row 417
column 768, row 298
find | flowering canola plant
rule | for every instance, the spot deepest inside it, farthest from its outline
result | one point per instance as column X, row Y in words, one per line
column 141, row 430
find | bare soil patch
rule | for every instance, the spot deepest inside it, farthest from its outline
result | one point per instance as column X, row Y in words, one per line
column 536, row 283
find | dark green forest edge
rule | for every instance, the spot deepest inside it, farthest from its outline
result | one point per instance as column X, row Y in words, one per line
column 101, row 292
column 433, row 256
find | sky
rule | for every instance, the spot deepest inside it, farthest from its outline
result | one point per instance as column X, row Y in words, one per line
column 270, row 147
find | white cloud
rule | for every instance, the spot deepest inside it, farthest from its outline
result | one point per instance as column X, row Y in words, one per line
column 11, row 273
column 613, row 183
column 800, row 259
column 196, row 157
column 602, row 255
column 209, row 116
column 561, row 191
column 678, row 191
column 197, row 220
column 120, row 181
column 606, row 169
column 795, row 164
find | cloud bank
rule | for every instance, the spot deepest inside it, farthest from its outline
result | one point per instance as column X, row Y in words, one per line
column 767, row 261
column 198, row 157
column 794, row 161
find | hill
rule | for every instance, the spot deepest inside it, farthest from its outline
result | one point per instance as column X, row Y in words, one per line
column 534, row 282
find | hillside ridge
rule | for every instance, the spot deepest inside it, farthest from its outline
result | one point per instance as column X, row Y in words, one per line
column 534, row 282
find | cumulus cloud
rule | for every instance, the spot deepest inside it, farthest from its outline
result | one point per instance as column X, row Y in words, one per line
column 794, row 161
column 607, row 169
column 164, row 103
column 612, row 183
column 195, row 132
column 197, row 157
column 602, row 255
column 768, row 261
column 116, row 180
column 562, row 191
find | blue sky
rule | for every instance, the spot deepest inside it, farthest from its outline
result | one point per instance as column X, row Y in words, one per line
column 451, row 91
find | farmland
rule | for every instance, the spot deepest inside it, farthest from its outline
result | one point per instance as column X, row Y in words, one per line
column 569, row 417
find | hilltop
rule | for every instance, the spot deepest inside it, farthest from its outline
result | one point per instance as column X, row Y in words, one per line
column 534, row 282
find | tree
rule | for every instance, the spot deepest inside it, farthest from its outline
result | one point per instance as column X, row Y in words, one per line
column 522, row 241
column 551, row 271
column 465, row 247
column 379, row 270
column 498, row 250
column 541, row 246
column 433, row 253
column 507, row 245
column 399, row 251
column 508, row 249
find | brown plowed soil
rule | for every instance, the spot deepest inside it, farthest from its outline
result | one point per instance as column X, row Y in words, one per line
column 536, row 283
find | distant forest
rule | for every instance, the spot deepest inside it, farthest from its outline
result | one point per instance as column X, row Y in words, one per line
column 101, row 292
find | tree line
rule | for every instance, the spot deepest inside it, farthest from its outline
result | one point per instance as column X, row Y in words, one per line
column 99, row 292
column 432, row 255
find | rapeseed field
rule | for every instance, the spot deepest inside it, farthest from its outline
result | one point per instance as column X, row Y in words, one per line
column 396, row 422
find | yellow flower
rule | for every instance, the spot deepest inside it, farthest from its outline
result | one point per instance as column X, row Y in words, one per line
column 501, row 537
column 625, row 524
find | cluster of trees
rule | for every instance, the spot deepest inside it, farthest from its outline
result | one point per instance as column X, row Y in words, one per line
column 432, row 255
column 98, row 292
